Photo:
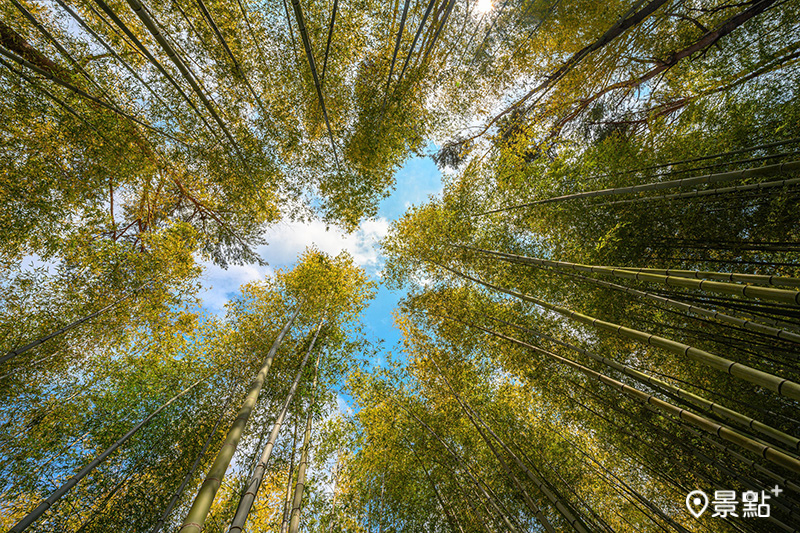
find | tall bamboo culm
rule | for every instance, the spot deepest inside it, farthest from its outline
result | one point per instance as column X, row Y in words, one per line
column 205, row 497
column 249, row 496
column 294, row 521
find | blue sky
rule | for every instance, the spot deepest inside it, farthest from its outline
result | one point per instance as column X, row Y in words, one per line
column 418, row 179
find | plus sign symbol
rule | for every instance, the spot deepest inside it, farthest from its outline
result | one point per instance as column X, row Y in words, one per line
column 776, row 491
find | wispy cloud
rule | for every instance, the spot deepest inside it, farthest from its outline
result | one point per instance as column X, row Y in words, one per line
column 286, row 241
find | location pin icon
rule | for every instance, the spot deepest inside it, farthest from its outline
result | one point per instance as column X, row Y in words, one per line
column 697, row 503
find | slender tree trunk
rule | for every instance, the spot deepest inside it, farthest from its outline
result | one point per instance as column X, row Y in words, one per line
column 748, row 325
column 107, row 498
column 414, row 42
column 707, row 179
column 143, row 50
column 22, row 349
column 451, row 520
column 480, row 485
column 294, row 522
column 160, row 523
column 394, row 54
column 40, row 509
column 287, row 505
column 570, row 517
column 187, row 75
column 335, row 483
column 298, row 13
column 782, row 386
column 249, row 497
column 205, row 497
column 786, row 296
column 716, row 192
column 328, row 44
column 731, row 435
column 792, row 442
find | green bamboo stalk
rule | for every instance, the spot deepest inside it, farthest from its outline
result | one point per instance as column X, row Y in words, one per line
column 196, row 517
column 620, row 485
column 783, row 386
column 451, row 520
column 709, row 192
column 116, row 56
column 61, row 49
column 487, row 496
column 287, row 505
column 756, row 279
column 171, row 505
column 702, row 158
column 791, row 297
column 56, row 99
column 571, row 519
column 227, row 48
column 753, row 483
column 151, row 26
column 299, row 487
column 429, row 49
column 724, row 432
column 414, row 42
column 40, row 509
column 707, row 179
column 249, row 496
column 478, row 518
column 336, row 473
column 67, row 85
column 782, row 480
column 328, row 44
column 766, row 170
column 642, row 377
column 701, row 311
column 139, row 46
column 394, row 54
column 298, row 13
column 22, row 349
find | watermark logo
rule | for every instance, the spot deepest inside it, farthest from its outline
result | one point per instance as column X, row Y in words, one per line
column 697, row 503
column 726, row 503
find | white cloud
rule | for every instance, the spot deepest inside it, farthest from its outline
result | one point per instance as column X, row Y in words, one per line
column 220, row 284
column 286, row 241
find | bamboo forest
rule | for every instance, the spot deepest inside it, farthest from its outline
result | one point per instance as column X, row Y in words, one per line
column 458, row 266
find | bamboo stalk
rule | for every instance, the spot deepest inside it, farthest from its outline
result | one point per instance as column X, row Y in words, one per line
column 328, row 44
column 144, row 51
column 701, row 311
column 40, row 509
column 67, row 85
column 227, row 48
column 17, row 351
column 116, row 56
column 151, row 26
column 571, row 519
column 487, row 496
column 722, row 177
column 196, row 517
column 298, row 13
column 787, row 296
column 394, row 54
column 642, row 377
column 171, row 505
column 709, row 192
column 299, row 487
column 416, row 38
column 783, row 386
column 287, row 505
column 249, row 496
column 724, row 432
